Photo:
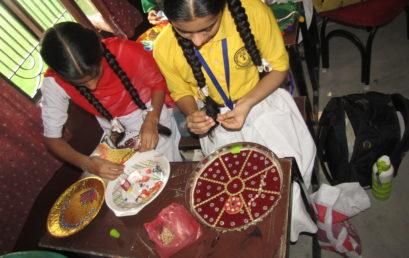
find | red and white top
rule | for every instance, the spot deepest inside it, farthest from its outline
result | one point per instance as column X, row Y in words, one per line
column 137, row 63
column 145, row 76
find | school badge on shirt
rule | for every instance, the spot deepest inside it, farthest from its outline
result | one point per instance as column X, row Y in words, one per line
column 242, row 59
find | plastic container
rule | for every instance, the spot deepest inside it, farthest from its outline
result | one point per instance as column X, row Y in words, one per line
column 382, row 176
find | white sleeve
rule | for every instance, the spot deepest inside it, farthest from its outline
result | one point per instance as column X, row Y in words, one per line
column 54, row 106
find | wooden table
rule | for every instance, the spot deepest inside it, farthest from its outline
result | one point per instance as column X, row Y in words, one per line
column 268, row 238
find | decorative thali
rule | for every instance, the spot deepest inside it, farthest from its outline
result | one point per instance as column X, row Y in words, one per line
column 236, row 186
column 76, row 207
column 145, row 175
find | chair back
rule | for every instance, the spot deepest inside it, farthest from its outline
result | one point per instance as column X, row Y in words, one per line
column 328, row 5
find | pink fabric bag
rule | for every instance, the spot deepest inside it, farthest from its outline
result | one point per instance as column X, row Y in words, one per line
column 334, row 206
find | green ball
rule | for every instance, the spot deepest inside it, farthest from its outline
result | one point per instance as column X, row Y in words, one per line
column 114, row 233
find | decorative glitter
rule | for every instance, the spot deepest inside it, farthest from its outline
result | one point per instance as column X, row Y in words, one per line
column 238, row 193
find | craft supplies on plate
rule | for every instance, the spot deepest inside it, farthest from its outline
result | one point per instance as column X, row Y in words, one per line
column 145, row 175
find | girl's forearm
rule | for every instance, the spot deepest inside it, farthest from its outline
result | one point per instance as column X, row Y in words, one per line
column 63, row 150
column 187, row 105
column 158, row 98
column 267, row 85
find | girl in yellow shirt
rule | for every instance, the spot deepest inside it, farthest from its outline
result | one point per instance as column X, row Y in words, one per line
column 230, row 55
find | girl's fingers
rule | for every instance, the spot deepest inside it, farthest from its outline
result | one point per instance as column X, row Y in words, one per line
column 148, row 142
column 109, row 170
column 201, row 127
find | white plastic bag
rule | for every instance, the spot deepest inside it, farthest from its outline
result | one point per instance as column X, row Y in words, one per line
column 335, row 205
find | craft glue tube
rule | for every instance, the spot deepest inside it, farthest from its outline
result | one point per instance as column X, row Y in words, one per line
column 382, row 175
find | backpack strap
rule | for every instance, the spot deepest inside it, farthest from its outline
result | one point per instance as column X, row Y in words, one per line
column 322, row 135
column 330, row 117
column 401, row 104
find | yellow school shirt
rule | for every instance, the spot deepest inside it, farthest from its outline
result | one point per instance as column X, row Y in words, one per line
column 243, row 73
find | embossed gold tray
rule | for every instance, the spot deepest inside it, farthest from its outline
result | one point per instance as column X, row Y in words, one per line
column 76, row 207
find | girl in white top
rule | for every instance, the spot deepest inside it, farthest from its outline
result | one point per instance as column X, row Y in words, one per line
column 114, row 79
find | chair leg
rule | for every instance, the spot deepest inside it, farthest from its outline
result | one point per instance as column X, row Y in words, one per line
column 324, row 44
column 358, row 43
column 407, row 20
column 297, row 71
column 310, row 53
column 310, row 50
column 366, row 61
column 313, row 35
column 315, row 38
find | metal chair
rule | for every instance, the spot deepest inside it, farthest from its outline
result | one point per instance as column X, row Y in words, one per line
column 370, row 14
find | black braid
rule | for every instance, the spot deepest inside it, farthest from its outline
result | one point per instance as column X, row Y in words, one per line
column 243, row 27
column 211, row 107
column 113, row 63
column 94, row 102
column 123, row 77
column 115, row 137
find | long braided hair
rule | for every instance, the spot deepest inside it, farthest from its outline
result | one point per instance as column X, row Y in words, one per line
column 185, row 10
column 74, row 52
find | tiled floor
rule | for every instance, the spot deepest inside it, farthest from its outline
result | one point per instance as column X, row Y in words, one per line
column 384, row 227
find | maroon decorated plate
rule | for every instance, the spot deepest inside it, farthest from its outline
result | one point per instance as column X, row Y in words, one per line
column 236, row 186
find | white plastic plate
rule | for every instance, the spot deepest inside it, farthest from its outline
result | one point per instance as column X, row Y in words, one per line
column 145, row 175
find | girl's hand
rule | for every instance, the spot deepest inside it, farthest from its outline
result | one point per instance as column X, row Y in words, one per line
column 199, row 123
column 153, row 18
column 234, row 119
column 103, row 168
column 149, row 135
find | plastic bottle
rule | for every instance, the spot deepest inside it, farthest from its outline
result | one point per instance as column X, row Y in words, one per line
column 382, row 176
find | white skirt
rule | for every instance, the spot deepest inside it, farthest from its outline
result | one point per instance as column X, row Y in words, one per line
column 276, row 123
column 167, row 145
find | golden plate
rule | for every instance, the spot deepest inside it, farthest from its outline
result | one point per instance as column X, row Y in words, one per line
column 76, row 207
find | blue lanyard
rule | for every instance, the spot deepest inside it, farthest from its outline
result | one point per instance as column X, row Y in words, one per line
column 209, row 72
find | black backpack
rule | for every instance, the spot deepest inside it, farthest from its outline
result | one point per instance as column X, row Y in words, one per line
column 375, row 124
